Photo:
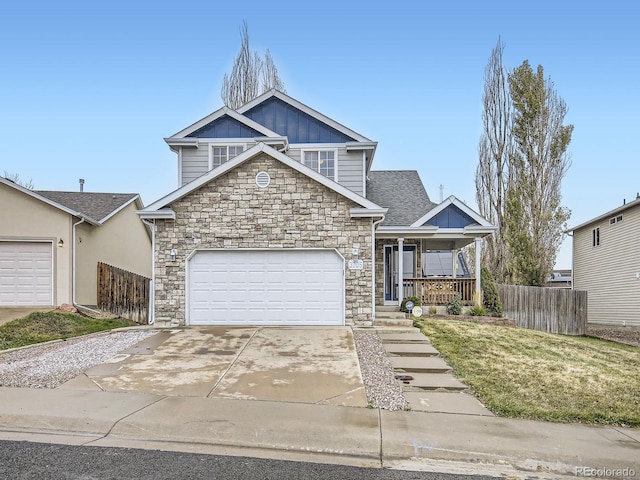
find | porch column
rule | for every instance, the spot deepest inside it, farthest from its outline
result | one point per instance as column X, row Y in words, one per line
column 478, row 268
column 454, row 262
column 400, row 270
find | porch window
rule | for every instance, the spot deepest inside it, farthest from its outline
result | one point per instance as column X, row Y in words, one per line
column 224, row 153
column 322, row 161
column 439, row 263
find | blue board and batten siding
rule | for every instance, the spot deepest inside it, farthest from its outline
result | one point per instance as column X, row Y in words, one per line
column 296, row 125
column 451, row 217
column 225, row 127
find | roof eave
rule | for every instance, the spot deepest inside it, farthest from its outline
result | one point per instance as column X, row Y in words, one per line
column 368, row 212
column 161, row 214
column 610, row 213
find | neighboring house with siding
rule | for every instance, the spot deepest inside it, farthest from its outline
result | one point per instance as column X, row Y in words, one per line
column 51, row 243
column 279, row 219
column 606, row 263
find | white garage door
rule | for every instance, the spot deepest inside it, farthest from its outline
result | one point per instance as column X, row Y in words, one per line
column 26, row 270
column 266, row 287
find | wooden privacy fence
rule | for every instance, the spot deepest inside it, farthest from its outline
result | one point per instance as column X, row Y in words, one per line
column 552, row 310
column 123, row 293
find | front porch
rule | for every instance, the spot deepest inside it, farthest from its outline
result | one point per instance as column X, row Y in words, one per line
column 440, row 291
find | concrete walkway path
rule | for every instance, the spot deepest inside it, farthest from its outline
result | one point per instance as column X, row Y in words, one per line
column 444, row 442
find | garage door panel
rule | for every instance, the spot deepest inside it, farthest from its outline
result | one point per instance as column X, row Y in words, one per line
column 269, row 287
column 26, row 273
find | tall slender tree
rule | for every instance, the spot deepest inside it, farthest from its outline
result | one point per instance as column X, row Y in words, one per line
column 494, row 174
column 535, row 218
column 251, row 75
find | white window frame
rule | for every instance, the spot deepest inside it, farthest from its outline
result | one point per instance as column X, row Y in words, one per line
column 213, row 146
column 304, row 151
column 595, row 237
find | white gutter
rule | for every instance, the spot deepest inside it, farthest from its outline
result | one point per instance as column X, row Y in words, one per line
column 152, row 290
column 73, row 268
column 373, row 268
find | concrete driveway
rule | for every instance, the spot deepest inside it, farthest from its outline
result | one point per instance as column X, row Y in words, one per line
column 316, row 365
column 8, row 314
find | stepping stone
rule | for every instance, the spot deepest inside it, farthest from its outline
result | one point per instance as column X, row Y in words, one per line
column 435, row 381
column 402, row 337
column 446, row 402
column 420, row 364
column 411, row 350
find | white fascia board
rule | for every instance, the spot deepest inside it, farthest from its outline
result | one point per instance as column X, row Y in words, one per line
column 182, row 142
column 479, row 229
column 611, row 213
column 219, row 113
column 301, row 106
column 162, row 214
column 123, row 206
column 368, row 212
column 33, row 194
column 357, row 146
column 273, row 140
column 247, row 155
column 452, row 200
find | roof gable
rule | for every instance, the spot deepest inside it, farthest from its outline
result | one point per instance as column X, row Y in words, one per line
column 245, row 156
column 273, row 113
column 296, row 125
column 211, row 119
column 99, row 206
column 225, row 127
column 452, row 213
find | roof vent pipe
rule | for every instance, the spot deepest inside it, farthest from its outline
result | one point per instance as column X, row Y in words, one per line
column 82, row 184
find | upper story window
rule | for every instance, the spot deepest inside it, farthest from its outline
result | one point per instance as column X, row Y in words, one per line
column 322, row 161
column 595, row 237
column 224, row 153
column 614, row 220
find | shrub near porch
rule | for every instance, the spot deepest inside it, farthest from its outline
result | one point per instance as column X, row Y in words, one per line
column 528, row 374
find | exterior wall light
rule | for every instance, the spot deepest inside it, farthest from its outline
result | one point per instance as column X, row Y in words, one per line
column 61, row 243
column 174, row 254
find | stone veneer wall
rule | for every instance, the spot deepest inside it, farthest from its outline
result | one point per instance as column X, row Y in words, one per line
column 294, row 211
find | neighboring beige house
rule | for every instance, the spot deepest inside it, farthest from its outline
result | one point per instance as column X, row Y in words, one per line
column 606, row 263
column 51, row 243
column 278, row 219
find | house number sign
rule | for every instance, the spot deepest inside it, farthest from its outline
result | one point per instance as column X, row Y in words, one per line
column 356, row 264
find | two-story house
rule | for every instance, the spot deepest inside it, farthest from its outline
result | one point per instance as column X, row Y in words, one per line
column 606, row 263
column 280, row 220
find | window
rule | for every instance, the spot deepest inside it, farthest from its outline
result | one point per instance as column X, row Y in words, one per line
column 614, row 220
column 224, row 153
column 322, row 161
column 595, row 236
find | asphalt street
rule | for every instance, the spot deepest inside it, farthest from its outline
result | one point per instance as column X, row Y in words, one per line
column 43, row 461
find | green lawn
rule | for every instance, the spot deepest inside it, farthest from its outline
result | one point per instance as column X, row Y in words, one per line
column 528, row 374
column 44, row 326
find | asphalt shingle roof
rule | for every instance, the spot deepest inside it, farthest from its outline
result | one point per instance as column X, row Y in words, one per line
column 402, row 192
column 94, row 205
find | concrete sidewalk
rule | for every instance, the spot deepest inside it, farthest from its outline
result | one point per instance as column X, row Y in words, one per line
column 323, row 433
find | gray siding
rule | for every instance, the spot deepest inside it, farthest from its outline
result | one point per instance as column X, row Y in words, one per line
column 195, row 162
column 608, row 271
column 350, row 167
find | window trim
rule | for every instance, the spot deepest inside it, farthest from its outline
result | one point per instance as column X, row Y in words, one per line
column 227, row 146
column 318, row 150
column 616, row 219
column 595, row 237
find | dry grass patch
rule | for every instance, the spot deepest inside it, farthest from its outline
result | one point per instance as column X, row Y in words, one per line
column 528, row 374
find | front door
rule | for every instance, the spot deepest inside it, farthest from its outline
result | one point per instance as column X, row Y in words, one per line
column 391, row 286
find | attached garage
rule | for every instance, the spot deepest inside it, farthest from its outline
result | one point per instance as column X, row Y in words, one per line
column 265, row 287
column 26, row 273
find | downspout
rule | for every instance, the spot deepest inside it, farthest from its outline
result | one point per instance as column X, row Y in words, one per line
column 152, row 289
column 373, row 268
column 73, row 268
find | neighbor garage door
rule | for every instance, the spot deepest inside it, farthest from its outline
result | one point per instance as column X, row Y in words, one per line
column 26, row 270
column 266, row 287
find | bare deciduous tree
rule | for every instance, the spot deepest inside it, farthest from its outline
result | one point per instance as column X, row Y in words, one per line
column 251, row 75
column 535, row 218
column 15, row 178
column 494, row 174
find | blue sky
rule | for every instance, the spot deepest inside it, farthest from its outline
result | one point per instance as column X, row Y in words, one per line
column 89, row 90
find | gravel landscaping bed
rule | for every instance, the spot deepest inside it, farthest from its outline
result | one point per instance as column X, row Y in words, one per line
column 382, row 388
column 52, row 364
column 626, row 335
